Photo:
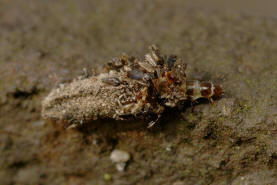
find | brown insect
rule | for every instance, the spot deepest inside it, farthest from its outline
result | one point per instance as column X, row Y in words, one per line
column 130, row 89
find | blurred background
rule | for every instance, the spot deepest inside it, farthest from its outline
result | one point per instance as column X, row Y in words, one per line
column 251, row 7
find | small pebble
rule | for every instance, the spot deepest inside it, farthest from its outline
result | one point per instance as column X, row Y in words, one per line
column 107, row 177
column 120, row 157
column 168, row 148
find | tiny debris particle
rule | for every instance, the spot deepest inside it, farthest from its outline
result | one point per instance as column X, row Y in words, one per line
column 168, row 148
column 111, row 81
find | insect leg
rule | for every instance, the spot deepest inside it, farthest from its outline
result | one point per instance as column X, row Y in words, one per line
column 152, row 123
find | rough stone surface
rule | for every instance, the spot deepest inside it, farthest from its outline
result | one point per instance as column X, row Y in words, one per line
column 45, row 43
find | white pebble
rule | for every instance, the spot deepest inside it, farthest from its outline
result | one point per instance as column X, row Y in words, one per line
column 119, row 156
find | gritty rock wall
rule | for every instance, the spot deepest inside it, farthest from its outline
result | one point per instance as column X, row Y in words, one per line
column 232, row 141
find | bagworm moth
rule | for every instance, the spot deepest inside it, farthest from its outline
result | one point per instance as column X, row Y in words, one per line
column 130, row 89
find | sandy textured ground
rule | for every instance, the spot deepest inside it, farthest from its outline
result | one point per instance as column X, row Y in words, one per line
column 233, row 141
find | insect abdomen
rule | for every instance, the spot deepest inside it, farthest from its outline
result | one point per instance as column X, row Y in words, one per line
column 197, row 89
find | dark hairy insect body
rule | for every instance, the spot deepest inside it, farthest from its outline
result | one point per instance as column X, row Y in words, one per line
column 130, row 89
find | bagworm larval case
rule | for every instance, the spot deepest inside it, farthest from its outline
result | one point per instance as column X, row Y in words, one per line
column 130, row 89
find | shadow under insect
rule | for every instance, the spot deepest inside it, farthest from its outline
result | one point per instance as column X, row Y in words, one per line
column 110, row 127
